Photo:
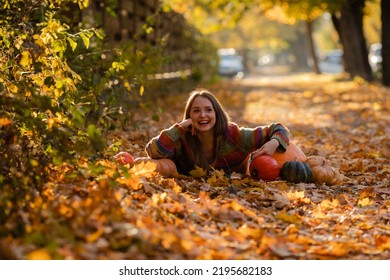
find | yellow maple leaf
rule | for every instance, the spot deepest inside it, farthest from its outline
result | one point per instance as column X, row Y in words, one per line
column 39, row 254
column 236, row 205
column 133, row 182
column 298, row 196
column 13, row 88
column 328, row 204
column 365, row 202
column 95, row 235
column 144, row 168
column 246, row 230
column 25, row 61
column 5, row 121
column 293, row 219
column 212, row 180
column 198, row 172
column 382, row 242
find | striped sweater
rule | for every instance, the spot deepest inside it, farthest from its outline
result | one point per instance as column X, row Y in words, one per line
column 232, row 148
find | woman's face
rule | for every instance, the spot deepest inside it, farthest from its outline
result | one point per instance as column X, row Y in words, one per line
column 202, row 114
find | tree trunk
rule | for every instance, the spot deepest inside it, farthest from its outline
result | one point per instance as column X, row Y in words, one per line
column 336, row 24
column 385, row 7
column 354, row 42
column 316, row 68
column 299, row 49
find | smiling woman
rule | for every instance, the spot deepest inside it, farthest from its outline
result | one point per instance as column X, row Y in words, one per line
column 208, row 139
column 202, row 115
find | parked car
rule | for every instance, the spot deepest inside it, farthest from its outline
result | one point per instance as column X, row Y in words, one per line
column 230, row 63
column 375, row 57
column 332, row 61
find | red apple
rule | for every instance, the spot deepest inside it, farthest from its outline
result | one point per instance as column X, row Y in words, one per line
column 264, row 167
column 124, row 158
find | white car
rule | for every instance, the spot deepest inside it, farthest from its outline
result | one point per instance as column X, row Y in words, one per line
column 332, row 62
column 375, row 57
column 230, row 63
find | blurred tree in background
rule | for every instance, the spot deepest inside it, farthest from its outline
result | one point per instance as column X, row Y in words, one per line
column 385, row 17
column 347, row 16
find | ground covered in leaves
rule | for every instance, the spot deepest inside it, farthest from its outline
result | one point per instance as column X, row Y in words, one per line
column 99, row 210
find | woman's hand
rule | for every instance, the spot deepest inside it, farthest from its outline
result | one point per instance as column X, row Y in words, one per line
column 268, row 148
column 188, row 125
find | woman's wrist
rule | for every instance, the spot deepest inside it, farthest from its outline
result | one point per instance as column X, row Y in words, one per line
column 184, row 124
column 187, row 125
column 275, row 144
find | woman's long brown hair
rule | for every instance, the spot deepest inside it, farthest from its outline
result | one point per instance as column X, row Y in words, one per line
column 220, row 127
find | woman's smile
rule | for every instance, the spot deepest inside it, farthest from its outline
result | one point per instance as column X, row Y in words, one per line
column 203, row 122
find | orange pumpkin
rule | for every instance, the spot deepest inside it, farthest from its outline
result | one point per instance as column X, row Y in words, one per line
column 165, row 166
column 322, row 171
column 293, row 152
